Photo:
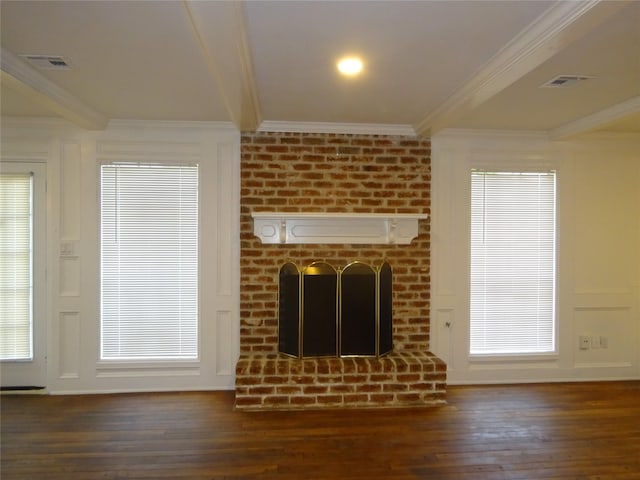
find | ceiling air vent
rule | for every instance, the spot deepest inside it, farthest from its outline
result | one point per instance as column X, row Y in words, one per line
column 564, row 81
column 47, row 62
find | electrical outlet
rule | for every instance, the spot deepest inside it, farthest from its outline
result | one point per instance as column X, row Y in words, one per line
column 585, row 342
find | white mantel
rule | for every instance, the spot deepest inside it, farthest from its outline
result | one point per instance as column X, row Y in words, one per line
column 345, row 228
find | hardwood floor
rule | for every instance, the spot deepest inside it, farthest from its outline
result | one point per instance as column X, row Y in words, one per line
column 551, row 431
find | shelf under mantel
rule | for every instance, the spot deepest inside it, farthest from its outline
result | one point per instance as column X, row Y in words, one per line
column 336, row 228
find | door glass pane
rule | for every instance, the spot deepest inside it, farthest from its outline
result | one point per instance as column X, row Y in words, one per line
column 16, row 279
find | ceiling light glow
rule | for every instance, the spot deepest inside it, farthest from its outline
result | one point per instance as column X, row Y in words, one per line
column 350, row 66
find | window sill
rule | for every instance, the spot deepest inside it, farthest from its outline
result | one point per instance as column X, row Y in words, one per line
column 147, row 368
column 512, row 358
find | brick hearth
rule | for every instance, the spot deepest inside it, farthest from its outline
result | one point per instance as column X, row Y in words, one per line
column 310, row 172
column 275, row 381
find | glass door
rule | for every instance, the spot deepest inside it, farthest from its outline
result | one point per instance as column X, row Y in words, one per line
column 22, row 275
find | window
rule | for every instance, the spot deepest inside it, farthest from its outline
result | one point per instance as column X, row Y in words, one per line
column 149, row 261
column 16, row 259
column 512, row 263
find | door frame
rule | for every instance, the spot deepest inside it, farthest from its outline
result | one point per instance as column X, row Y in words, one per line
column 27, row 374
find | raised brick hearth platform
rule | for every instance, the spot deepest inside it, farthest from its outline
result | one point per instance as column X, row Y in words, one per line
column 278, row 382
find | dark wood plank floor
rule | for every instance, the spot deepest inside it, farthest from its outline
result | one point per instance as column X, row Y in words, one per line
column 551, row 431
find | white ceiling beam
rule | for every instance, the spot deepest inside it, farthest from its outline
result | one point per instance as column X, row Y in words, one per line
column 225, row 47
column 597, row 120
column 559, row 26
column 21, row 77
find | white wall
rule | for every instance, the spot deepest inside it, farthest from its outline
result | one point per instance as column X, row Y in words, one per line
column 598, row 181
column 72, row 158
column 598, row 250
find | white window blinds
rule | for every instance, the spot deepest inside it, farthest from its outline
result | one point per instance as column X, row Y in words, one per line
column 149, row 261
column 512, row 263
column 16, row 279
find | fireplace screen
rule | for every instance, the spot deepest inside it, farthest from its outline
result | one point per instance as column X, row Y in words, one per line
column 328, row 312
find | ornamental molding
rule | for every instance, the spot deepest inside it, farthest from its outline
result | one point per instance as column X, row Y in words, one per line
column 336, row 228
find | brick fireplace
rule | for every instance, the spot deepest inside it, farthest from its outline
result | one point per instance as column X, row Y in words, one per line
column 308, row 172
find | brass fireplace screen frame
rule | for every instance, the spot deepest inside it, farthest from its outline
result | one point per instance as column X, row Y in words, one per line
column 329, row 312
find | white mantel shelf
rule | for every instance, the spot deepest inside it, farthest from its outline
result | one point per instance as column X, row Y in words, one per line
column 345, row 228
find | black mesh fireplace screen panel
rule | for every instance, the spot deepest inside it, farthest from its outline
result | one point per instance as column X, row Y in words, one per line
column 289, row 310
column 319, row 317
column 358, row 310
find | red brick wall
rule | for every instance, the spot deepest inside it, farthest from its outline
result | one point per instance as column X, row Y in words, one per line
column 306, row 172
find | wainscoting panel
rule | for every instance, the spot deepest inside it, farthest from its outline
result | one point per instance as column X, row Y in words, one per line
column 225, row 360
column 444, row 323
column 226, row 236
column 70, row 191
column 69, row 345
column 147, row 150
column 70, row 276
column 609, row 332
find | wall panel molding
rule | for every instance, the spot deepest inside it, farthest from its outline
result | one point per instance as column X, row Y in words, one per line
column 70, row 276
column 69, row 338
column 70, row 178
column 225, row 358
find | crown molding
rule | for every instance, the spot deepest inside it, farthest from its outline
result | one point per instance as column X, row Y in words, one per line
column 338, row 128
column 597, row 119
column 26, row 80
column 553, row 31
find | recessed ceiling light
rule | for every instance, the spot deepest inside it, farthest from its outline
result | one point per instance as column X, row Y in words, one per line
column 350, row 66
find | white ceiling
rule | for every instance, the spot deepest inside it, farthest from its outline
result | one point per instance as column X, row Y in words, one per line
column 429, row 65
